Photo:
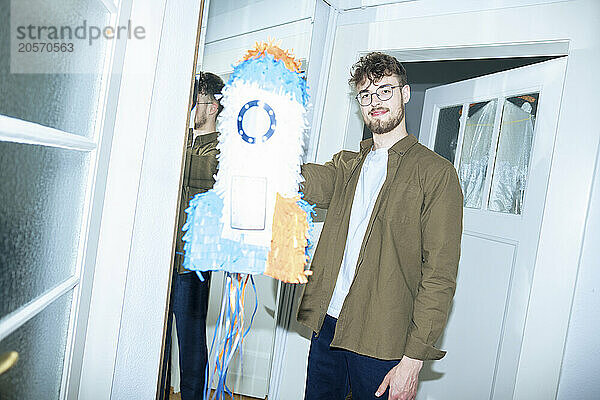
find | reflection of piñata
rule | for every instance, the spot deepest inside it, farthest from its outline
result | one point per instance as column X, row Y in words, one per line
column 253, row 221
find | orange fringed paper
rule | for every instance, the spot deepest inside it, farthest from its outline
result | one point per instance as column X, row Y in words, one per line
column 287, row 257
column 263, row 48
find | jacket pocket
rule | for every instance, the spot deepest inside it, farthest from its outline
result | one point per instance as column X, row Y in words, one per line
column 403, row 205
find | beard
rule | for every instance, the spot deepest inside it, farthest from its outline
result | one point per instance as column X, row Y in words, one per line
column 379, row 127
column 199, row 121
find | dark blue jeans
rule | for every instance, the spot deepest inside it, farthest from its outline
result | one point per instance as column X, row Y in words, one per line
column 333, row 373
column 189, row 301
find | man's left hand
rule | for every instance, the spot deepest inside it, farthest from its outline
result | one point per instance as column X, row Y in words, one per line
column 402, row 380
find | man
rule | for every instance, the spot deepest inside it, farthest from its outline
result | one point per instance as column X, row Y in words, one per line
column 190, row 294
column 384, row 271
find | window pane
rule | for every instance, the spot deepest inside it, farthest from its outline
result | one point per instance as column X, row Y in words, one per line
column 68, row 102
column 41, row 344
column 475, row 151
column 446, row 136
column 41, row 200
column 511, row 166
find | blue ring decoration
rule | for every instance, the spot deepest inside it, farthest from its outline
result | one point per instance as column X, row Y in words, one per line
column 273, row 122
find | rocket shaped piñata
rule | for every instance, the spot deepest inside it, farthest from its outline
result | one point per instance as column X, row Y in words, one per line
column 253, row 221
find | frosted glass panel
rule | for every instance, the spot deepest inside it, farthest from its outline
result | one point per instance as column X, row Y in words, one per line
column 68, row 102
column 511, row 166
column 41, row 200
column 475, row 151
column 446, row 136
column 41, row 344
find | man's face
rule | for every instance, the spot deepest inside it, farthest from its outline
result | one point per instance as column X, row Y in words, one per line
column 204, row 105
column 383, row 116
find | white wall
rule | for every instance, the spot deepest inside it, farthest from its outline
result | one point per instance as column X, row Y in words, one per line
column 234, row 27
column 579, row 375
column 229, row 18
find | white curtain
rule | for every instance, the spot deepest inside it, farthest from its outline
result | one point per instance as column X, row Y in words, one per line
column 475, row 153
column 512, row 159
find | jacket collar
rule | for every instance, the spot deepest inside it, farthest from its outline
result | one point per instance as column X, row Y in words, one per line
column 400, row 147
column 206, row 138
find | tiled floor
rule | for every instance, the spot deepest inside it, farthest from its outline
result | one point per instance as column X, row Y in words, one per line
column 177, row 396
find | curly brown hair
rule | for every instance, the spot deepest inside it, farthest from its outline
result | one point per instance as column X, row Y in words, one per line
column 209, row 84
column 375, row 66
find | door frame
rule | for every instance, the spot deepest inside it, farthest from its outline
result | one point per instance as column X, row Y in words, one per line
column 131, row 285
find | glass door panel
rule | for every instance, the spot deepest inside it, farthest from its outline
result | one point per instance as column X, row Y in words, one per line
column 511, row 165
column 41, row 203
column 448, row 128
column 41, row 344
column 67, row 102
column 475, row 152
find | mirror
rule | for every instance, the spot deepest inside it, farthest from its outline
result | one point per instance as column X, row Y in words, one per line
column 250, row 374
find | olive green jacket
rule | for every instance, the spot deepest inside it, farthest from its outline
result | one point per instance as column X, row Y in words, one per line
column 405, row 276
column 198, row 177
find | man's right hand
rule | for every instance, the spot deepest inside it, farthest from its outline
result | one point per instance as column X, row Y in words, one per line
column 303, row 277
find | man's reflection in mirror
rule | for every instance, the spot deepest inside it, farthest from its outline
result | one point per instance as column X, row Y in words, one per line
column 189, row 294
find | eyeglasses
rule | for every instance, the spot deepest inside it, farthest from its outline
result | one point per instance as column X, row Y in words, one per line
column 383, row 93
column 217, row 96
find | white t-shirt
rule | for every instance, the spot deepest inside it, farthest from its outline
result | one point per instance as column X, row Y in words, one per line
column 370, row 181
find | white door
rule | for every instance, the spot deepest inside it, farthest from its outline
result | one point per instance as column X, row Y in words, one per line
column 499, row 132
column 52, row 106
